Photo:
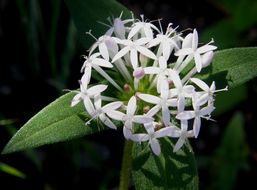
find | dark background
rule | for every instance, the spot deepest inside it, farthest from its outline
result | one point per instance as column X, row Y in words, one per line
column 40, row 56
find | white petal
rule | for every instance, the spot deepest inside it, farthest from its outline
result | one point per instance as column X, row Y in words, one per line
column 164, row 89
column 186, row 115
column 127, row 133
column 76, row 99
column 98, row 102
column 107, row 121
column 195, row 40
column 198, row 62
column 88, row 105
column 206, row 110
column 83, row 83
column 207, row 58
column 139, row 137
column 206, row 48
column 187, row 42
column 121, row 53
column 102, row 63
column 196, row 126
column 134, row 58
column 111, row 106
column 87, row 72
column 149, row 127
column 117, row 115
column 201, row 84
column 154, row 42
column 142, row 41
column 151, row 70
column 96, row 89
column 146, row 52
column 142, row 119
column 132, row 106
column 119, row 28
column 148, row 32
column 104, row 51
column 181, row 103
column 154, row 110
column 135, row 29
column 166, row 115
column 166, row 50
column 155, row 146
column 184, row 125
column 162, row 62
column 175, row 79
column 179, row 144
column 149, row 98
column 184, row 51
column 166, row 131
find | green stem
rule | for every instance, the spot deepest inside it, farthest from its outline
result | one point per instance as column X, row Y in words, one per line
column 126, row 166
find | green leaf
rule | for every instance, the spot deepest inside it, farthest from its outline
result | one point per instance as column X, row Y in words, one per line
column 232, row 67
column 55, row 123
column 11, row 170
column 231, row 155
column 167, row 171
column 87, row 13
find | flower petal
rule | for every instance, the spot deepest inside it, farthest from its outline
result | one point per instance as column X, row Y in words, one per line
column 149, row 98
column 179, row 144
column 111, row 106
column 121, row 53
column 89, row 106
column 200, row 84
column 134, row 58
column 102, row 62
column 96, row 89
column 155, row 146
column 104, row 51
column 196, row 126
column 132, row 106
column 146, row 52
column 107, row 121
column 186, row 115
column 127, row 132
column 142, row 119
column 117, row 115
column 139, row 137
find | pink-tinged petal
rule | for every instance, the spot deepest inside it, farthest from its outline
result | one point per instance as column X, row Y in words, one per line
column 151, row 70
column 104, row 51
column 96, row 89
column 186, row 115
column 139, row 137
column 111, row 45
column 139, row 73
column 89, row 106
column 121, row 53
column 198, row 62
column 111, row 106
column 135, row 29
column 119, row 28
column 132, row 106
column 195, row 40
column 102, row 63
column 166, row 131
column 179, row 144
column 175, row 78
column 107, row 121
column 206, row 48
column 207, row 110
column 184, row 51
column 197, row 126
column 149, row 98
column 142, row 119
column 166, row 49
column 155, row 146
column 127, row 133
column 200, row 84
column 146, row 52
column 187, row 42
column 162, row 62
column 142, row 41
column 134, row 58
column 117, row 115
column 76, row 99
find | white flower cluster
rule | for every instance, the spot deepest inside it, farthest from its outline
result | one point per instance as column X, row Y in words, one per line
column 151, row 88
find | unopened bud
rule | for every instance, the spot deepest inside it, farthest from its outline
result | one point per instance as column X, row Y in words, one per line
column 126, row 88
column 139, row 73
column 146, row 109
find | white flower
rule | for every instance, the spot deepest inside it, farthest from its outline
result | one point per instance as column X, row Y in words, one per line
column 196, row 114
column 152, row 136
column 87, row 93
column 100, row 112
column 161, row 103
column 142, row 27
column 191, row 50
column 182, row 134
column 180, row 91
column 133, row 47
column 129, row 118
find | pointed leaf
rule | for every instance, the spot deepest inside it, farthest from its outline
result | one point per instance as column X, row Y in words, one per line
column 55, row 123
